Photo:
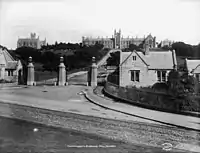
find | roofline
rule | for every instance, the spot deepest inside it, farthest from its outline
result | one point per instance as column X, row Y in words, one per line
column 159, row 69
column 137, row 55
column 195, row 68
column 9, row 55
column 141, row 58
column 125, row 59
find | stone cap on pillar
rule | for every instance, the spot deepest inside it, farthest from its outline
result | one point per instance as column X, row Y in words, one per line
column 30, row 59
column 93, row 59
column 94, row 62
column 61, row 59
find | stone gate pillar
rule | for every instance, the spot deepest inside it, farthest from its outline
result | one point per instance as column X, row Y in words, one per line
column 93, row 78
column 31, row 73
column 61, row 73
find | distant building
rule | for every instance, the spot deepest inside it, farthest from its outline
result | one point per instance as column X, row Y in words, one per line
column 31, row 42
column 142, row 69
column 10, row 69
column 118, row 42
column 167, row 43
column 193, row 68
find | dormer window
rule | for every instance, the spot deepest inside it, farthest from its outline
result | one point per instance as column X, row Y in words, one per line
column 134, row 58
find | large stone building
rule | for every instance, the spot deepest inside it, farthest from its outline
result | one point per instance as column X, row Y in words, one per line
column 166, row 42
column 118, row 42
column 142, row 69
column 33, row 42
column 10, row 69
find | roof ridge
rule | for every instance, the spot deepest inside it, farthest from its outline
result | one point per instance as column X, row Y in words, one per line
column 126, row 58
column 138, row 55
column 195, row 68
column 142, row 58
column 8, row 54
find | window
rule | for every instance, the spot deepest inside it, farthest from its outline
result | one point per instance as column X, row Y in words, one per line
column 10, row 73
column 135, row 75
column 134, row 58
column 198, row 77
column 161, row 75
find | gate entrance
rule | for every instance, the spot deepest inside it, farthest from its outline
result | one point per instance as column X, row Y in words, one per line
column 79, row 79
column 45, row 77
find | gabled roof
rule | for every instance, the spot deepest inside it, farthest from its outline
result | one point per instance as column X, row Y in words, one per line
column 154, row 60
column 197, row 69
column 192, row 65
column 7, row 60
column 11, row 65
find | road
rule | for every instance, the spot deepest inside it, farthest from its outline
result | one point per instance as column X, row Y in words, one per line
column 22, row 137
column 80, row 115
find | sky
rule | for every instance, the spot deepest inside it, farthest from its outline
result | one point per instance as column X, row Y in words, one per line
column 69, row 20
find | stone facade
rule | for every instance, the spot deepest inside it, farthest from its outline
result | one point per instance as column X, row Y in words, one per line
column 31, row 42
column 142, row 69
column 118, row 42
column 10, row 69
column 167, row 43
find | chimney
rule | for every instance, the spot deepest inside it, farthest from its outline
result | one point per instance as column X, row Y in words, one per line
column 146, row 49
column 174, row 59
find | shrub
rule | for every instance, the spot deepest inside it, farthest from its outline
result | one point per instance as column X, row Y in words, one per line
column 5, row 81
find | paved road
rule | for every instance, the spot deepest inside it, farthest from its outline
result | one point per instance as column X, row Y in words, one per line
column 73, row 129
column 20, row 136
column 68, row 99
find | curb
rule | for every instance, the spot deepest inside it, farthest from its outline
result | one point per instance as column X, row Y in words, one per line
column 119, row 111
column 150, row 107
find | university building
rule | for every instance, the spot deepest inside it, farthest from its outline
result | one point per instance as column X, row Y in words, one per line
column 118, row 42
column 33, row 42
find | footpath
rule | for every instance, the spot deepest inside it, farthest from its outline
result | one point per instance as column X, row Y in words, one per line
column 183, row 121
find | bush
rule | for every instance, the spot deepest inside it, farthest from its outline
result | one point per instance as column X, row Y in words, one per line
column 5, row 81
column 156, row 100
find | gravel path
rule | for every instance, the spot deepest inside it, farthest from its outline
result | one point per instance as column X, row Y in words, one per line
column 130, row 132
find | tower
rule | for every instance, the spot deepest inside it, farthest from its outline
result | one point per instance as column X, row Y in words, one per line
column 118, row 39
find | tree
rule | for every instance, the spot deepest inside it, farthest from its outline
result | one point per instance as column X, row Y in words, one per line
column 186, row 50
column 133, row 47
column 174, row 82
column 25, row 52
column 180, row 84
column 114, row 59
